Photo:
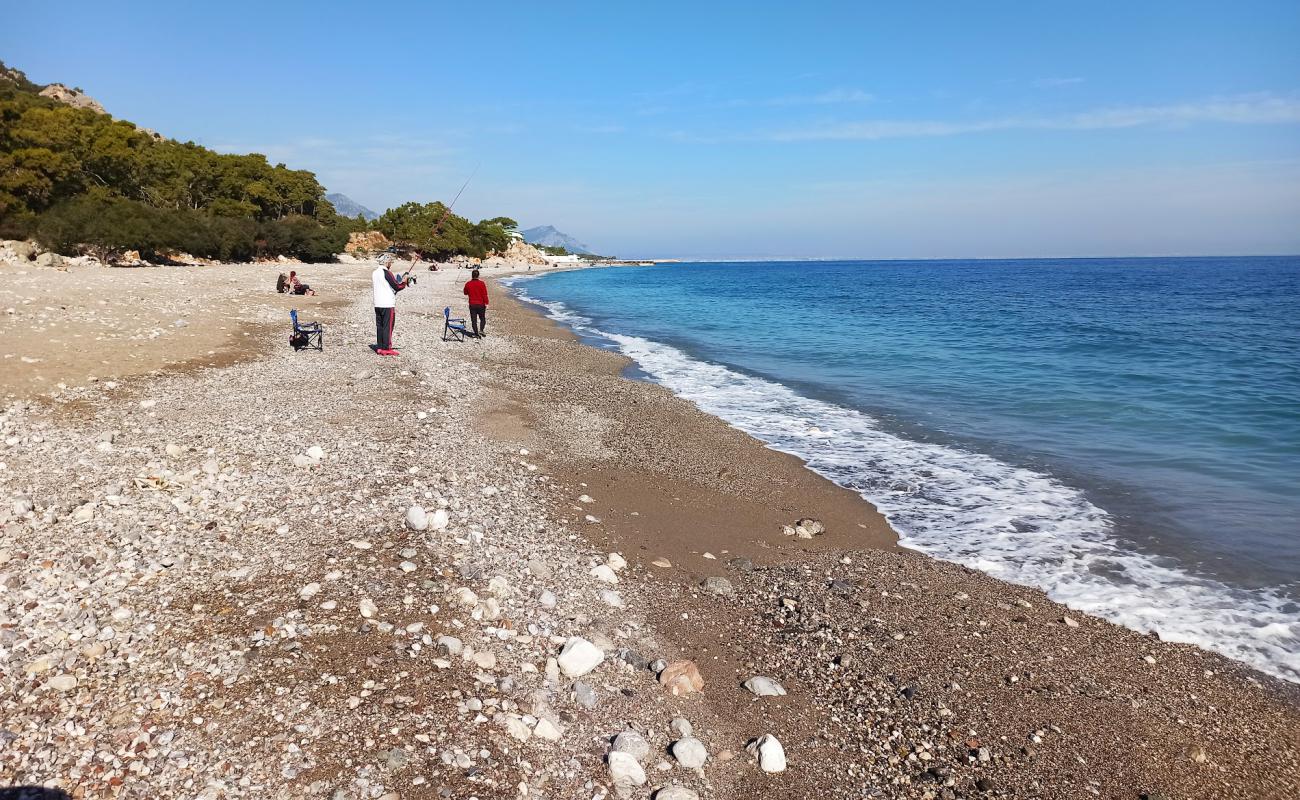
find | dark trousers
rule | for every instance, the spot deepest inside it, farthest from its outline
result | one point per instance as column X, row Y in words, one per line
column 478, row 319
column 384, row 319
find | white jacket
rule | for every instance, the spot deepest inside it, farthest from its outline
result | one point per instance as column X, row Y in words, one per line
column 385, row 297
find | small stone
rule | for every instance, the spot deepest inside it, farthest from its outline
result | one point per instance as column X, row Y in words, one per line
column 547, row 730
column 690, row 752
column 763, row 686
column 485, row 659
column 741, row 564
column 616, row 562
column 602, row 572
column 368, row 608
column 680, row 726
column 632, row 743
column 315, row 453
column 662, row 562
column 585, row 499
column 23, row 505
column 578, row 657
column 63, row 683
column 416, row 518
column 539, row 569
column 174, row 450
column 681, row 678
column 807, row 528
column 407, row 566
column 676, row 793
column 518, row 729
column 449, row 645
column 585, row 695
column 718, row 586
column 440, row 520
column 309, row 591
column 625, row 772
column 547, row 598
column 771, row 755
column 1070, row 622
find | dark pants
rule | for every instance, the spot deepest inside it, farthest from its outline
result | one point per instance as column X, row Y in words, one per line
column 384, row 319
column 478, row 319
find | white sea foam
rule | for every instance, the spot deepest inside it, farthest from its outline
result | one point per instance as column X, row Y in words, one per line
column 1019, row 525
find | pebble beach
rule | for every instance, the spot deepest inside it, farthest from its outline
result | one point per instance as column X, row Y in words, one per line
column 501, row 569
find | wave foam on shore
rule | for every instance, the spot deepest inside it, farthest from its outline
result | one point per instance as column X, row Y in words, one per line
column 1013, row 523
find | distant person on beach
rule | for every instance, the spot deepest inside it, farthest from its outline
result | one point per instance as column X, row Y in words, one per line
column 476, row 291
column 386, row 286
column 298, row 287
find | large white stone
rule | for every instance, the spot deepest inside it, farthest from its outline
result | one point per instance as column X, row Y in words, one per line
column 440, row 520
column 690, row 752
column 416, row 519
column 771, row 755
column 578, row 657
column 764, row 686
column 625, row 771
column 603, row 572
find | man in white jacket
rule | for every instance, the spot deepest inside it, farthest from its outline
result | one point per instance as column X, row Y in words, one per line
column 386, row 286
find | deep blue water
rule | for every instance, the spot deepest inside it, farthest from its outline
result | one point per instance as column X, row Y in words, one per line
column 1124, row 433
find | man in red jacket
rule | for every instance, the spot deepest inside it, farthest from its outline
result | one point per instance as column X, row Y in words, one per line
column 476, row 291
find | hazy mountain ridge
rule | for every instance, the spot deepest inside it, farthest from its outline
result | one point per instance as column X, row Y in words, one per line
column 548, row 236
column 350, row 208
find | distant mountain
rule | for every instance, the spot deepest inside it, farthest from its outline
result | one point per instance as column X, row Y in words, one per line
column 348, row 207
column 548, row 236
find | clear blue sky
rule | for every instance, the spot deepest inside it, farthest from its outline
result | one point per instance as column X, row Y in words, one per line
column 901, row 129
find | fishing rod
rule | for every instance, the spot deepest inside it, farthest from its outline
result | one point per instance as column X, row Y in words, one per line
column 437, row 228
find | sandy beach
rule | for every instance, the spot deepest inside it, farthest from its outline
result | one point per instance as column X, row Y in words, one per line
column 233, row 570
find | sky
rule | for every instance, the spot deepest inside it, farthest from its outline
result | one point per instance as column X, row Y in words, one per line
column 729, row 129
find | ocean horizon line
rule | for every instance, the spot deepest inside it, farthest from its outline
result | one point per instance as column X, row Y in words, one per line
column 934, row 259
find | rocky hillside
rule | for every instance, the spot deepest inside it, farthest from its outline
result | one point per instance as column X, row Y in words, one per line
column 350, row 208
column 73, row 97
column 548, row 236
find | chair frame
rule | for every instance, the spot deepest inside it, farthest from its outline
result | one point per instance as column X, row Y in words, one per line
column 458, row 330
column 314, row 330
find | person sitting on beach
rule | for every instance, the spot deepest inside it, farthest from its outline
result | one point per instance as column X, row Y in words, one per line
column 298, row 287
column 476, row 290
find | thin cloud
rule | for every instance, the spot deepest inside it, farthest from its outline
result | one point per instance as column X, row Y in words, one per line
column 599, row 129
column 1244, row 110
column 1056, row 83
column 826, row 98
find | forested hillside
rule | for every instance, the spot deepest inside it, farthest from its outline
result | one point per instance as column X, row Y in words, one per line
column 79, row 180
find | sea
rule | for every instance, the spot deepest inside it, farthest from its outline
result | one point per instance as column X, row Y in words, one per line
column 1121, row 433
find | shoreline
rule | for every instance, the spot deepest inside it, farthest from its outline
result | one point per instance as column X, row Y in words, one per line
column 202, row 592
column 1103, row 533
column 1008, row 598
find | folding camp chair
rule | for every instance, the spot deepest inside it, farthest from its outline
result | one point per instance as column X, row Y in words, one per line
column 453, row 326
column 306, row 335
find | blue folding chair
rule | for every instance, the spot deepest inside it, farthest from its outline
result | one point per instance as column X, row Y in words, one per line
column 453, row 326
column 306, row 335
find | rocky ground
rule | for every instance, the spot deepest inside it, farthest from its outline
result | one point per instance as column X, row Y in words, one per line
column 342, row 576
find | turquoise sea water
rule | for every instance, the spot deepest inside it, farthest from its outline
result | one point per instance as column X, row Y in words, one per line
column 1122, row 433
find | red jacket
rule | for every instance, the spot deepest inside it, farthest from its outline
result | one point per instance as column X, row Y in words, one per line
column 477, row 291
